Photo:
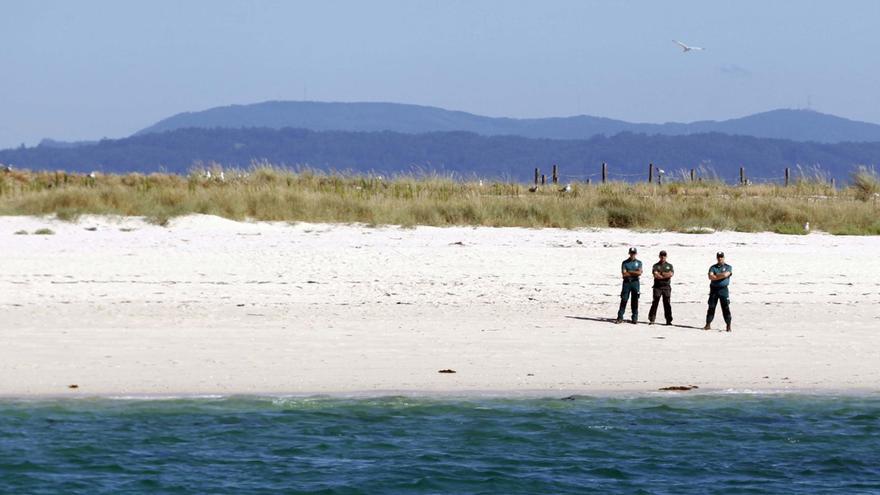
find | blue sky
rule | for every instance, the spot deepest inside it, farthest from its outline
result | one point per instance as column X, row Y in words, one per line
column 89, row 69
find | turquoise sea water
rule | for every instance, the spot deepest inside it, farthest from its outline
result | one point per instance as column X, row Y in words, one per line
column 649, row 444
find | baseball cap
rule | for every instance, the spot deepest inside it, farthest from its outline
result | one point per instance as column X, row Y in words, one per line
column 662, row 253
column 633, row 250
column 719, row 254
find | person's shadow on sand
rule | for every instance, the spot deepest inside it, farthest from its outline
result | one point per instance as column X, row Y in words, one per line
column 612, row 320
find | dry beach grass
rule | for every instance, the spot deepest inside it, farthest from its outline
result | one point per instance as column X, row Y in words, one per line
column 275, row 194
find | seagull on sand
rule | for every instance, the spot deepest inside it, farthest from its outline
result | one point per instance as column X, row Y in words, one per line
column 685, row 48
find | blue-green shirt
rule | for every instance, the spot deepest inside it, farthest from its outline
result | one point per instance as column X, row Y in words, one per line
column 630, row 266
column 716, row 269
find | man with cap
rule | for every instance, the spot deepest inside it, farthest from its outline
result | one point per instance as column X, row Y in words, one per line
column 631, row 269
column 663, row 272
column 719, row 275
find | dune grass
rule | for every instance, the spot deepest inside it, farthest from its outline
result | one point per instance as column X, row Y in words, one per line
column 271, row 193
column 866, row 184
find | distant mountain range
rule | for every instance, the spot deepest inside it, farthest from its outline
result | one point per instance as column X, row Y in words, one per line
column 54, row 143
column 391, row 137
column 464, row 153
column 795, row 125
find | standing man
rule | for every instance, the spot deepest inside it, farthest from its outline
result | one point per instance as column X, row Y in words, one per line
column 631, row 269
column 663, row 273
column 719, row 274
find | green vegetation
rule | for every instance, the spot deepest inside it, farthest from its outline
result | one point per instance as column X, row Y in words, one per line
column 44, row 231
column 269, row 193
column 21, row 232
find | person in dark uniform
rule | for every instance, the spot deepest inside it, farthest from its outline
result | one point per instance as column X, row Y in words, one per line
column 719, row 274
column 631, row 269
column 663, row 272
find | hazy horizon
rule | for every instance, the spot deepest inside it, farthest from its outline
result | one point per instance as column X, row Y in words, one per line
column 107, row 69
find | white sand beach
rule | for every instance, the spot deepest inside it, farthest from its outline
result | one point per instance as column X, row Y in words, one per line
column 212, row 306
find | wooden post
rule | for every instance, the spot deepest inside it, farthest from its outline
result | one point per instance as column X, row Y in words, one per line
column 604, row 172
column 537, row 174
column 832, row 183
column 650, row 173
column 589, row 181
column 543, row 179
column 555, row 174
column 742, row 176
column 787, row 175
column 692, row 175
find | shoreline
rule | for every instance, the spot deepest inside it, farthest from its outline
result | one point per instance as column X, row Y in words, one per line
column 458, row 395
column 208, row 306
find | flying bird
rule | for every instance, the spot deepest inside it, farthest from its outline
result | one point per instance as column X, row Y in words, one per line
column 685, row 48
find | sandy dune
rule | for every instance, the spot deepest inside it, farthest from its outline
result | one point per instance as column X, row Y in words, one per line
column 210, row 306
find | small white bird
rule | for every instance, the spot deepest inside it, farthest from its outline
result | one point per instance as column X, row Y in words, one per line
column 566, row 189
column 685, row 48
column 222, row 176
column 92, row 175
column 807, row 226
column 207, row 174
column 481, row 182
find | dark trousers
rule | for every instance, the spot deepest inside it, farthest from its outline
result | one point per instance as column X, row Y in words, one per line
column 629, row 289
column 715, row 296
column 666, row 294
